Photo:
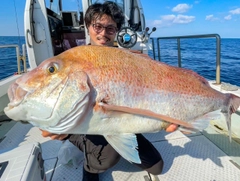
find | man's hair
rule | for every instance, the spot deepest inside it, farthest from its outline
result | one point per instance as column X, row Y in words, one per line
column 97, row 10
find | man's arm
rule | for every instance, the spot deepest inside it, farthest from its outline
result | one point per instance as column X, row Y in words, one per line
column 53, row 136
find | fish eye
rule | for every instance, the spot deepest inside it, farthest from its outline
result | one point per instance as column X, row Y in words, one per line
column 52, row 69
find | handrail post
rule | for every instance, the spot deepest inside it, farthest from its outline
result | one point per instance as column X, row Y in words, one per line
column 153, row 47
column 158, row 47
column 218, row 66
column 179, row 53
column 18, row 60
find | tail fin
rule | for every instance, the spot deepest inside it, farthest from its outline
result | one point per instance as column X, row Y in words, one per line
column 233, row 102
column 202, row 122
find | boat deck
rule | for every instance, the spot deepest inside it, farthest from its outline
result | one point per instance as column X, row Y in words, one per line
column 192, row 157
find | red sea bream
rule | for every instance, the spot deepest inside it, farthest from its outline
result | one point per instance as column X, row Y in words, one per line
column 115, row 93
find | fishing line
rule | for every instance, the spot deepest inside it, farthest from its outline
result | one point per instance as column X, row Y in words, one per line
column 78, row 4
column 19, row 41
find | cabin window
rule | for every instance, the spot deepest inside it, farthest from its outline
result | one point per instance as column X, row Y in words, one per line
column 54, row 6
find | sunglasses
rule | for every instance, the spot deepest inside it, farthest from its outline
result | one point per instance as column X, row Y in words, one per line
column 98, row 28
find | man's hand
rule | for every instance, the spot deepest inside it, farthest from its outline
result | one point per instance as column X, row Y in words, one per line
column 171, row 128
column 53, row 136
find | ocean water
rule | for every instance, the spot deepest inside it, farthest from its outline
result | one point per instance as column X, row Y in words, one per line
column 8, row 60
column 198, row 55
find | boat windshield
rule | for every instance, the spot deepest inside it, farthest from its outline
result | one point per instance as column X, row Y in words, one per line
column 56, row 5
column 119, row 2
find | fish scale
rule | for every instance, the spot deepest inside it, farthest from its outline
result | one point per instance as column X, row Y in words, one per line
column 152, row 74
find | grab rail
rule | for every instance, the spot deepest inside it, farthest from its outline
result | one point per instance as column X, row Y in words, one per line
column 19, row 57
column 218, row 49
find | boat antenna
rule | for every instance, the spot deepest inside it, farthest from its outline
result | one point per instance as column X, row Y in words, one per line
column 19, row 41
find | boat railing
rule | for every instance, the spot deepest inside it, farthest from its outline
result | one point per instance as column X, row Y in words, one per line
column 178, row 38
column 20, row 58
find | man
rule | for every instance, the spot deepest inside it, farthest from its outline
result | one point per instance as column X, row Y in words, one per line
column 103, row 21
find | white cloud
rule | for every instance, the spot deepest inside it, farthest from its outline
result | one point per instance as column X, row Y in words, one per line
column 211, row 18
column 181, row 8
column 235, row 11
column 228, row 17
column 170, row 17
column 168, row 20
column 183, row 19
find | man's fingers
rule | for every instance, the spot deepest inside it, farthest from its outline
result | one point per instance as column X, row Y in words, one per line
column 171, row 128
column 58, row 136
column 46, row 133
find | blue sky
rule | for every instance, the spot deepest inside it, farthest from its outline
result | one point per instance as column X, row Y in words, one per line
column 170, row 17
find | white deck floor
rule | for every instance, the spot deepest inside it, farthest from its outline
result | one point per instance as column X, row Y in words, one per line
column 186, row 158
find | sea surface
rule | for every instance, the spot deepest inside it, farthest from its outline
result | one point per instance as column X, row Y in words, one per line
column 8, row 60
column 198, row 55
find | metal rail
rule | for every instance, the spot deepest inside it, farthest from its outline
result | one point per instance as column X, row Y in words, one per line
column 19, row 57
column 218, row 49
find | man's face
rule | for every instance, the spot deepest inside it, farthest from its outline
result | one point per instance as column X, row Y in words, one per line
column 102, row 31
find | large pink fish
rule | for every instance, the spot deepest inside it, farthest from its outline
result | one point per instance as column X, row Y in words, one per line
column 114, row 93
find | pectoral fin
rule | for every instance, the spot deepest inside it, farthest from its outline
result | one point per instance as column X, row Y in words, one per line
column 125, row 145
column 144, row 112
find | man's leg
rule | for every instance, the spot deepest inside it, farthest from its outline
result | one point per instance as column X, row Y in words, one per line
column 151, row 159
column 99, row 155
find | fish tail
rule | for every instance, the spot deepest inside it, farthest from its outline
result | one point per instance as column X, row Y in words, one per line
column 200, row 123
column 232, row 104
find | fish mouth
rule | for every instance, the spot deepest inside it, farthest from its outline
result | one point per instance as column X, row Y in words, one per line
column 16, row 95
